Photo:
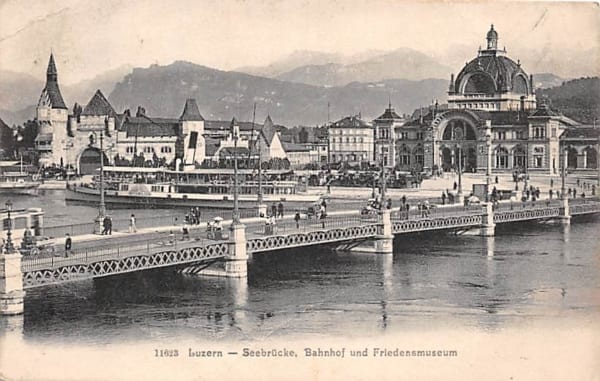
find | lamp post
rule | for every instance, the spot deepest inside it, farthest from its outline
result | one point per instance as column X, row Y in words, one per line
column 458, row 135
column 99, row 223
column 9, row 248
column 236, row 211
column 563, row 174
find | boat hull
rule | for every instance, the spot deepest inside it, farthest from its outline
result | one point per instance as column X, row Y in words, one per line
column 217, row 201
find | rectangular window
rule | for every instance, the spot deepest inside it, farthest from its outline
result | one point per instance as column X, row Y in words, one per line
column 193, row 139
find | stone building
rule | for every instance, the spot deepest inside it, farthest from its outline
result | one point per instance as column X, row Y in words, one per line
column 351, row 140
column 492, row 110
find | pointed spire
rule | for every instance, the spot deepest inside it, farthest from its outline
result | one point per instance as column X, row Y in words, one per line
column 190, row 111
column 51, row 72
column 51, row 91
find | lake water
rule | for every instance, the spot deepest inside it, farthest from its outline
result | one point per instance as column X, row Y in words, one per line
column 528, row 272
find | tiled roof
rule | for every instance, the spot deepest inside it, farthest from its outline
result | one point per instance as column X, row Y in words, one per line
column 389, row 114
column 51, row 88
column 146, row 126
column 98, row 106
column 545, row 112
column 351, row 122
column 191, row 111
column 581, row 132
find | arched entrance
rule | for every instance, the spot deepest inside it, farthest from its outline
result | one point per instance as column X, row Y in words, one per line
column 89, row 161
column 572, row 158
column 591, row 157
column 447, row 161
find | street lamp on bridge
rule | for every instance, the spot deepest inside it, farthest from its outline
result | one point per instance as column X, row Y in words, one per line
column 235, row 137
column 458, row 136
column 9, row 248
column 99, row 221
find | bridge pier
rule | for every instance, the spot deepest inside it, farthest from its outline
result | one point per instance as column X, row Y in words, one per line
column 384, row 242
column 488, row 228
column 11, row 284
column 565, row 215
column 236, row 262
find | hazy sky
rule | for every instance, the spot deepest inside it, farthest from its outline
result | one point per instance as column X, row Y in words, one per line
column 89, row 37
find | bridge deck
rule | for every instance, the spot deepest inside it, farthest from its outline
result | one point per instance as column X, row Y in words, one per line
column 109, row 255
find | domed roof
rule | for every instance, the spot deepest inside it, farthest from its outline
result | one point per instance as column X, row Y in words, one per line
column 492, row 72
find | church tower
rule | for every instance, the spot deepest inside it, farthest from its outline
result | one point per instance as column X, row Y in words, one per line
column 192, row 128
column 52, row 116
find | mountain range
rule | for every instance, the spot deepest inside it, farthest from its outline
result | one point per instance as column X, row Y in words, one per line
column 294, row 90
column 20, row 92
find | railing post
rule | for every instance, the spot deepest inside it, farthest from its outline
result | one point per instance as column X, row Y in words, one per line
column 11, row 284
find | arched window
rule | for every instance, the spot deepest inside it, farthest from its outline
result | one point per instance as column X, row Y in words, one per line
column 520, row 85
column 404, row 156
column 591, row 156
column 519, row 157
column 419, row 156
column 501, row 158
column 479, row 84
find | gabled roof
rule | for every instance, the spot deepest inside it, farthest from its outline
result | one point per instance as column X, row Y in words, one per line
column 191, row 111
column 98, row 106
column 145, row 126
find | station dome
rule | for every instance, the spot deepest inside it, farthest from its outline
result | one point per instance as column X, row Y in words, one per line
column 492, row 72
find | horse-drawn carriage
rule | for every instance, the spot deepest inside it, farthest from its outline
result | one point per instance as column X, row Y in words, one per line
column 37, row 245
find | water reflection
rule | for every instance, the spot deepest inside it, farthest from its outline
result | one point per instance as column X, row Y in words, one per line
column 437, row 280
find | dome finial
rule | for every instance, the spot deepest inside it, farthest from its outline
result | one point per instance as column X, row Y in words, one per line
column 492, row 39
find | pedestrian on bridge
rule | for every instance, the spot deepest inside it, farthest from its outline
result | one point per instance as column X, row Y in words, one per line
column 551, row 182
column 297, row 219
column 68, row 245
column 185, row 231
column 550, row 192
column 132, row 227
column 443, row 198
column 280, row 210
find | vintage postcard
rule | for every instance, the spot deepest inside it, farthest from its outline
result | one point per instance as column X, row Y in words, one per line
column 299, row 190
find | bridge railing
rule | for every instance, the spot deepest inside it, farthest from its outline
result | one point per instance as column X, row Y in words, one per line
column 86, row 256
column 306, row 225
column 438, row 211
column 506, row 206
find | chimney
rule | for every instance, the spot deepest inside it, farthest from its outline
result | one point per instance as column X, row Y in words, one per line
column 140, row 112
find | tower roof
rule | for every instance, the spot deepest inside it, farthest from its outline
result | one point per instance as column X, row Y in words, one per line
column 51, row 66
column 51, row 94
column 98, row 106
column 191, row 111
